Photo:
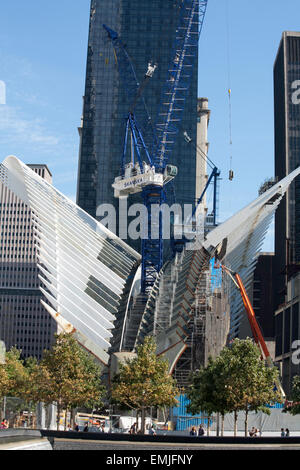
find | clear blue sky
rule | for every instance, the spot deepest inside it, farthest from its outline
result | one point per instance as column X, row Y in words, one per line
column 43, row 61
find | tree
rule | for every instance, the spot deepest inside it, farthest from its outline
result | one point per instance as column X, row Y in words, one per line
column 236, row 380
column 18, row 383
column 4, row 384
column 16, row 372
column 144, row 382
column 68, row 376
column 207, row 392
column 293, row 407
column 250, row 383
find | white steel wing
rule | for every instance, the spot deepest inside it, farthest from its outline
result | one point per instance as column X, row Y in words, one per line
column 83, row 266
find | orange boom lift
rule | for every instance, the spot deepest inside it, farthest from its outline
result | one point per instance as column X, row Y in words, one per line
column 256, row 331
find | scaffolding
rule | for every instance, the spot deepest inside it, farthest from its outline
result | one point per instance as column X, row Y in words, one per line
column 188, row 305
column 209, row 324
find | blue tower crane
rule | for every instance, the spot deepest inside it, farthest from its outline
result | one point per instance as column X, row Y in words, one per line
column 138, row 120
column 213, row 178
column 156, row 141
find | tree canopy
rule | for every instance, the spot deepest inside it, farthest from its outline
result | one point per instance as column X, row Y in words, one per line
column 238, row 379
column 144, row 381
column 293, row 407
column 69, row 376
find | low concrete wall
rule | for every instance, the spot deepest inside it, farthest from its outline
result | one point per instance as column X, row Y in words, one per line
column 23, row 439
column 170, row 439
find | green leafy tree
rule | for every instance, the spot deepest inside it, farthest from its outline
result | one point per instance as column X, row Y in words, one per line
column 4, row 385
column 293, row 407
column 236, row 380
column 249, row 381
column 68, row 376
column 144, row 382
column 17, row 374
column 18, row 382
column 207, row 392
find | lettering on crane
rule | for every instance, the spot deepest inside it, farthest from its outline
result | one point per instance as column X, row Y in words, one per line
column 133, row 182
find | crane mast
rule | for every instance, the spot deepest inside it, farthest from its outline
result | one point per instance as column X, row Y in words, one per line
column 175, row 90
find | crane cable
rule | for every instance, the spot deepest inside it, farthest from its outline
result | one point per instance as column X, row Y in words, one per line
column 231, row 174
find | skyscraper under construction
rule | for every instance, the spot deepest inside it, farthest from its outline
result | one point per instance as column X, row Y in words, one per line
column 148, row 30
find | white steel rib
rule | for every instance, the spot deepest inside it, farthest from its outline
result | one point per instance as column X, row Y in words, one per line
column 85, row 269
column 83, row 266
column 235, row 243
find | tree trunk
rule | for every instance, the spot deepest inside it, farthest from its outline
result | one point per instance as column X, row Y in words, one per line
column 72, row 418
column 246, row 422
column 143, row 420
column 208, row 424
column 57, row 417
column 66, row 419
column 235, row 424
column 164, row 414
column 222, row 425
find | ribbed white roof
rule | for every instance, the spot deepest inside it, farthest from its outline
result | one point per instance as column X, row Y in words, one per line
column 235, row 243
column 83, row 266
column 241, row 237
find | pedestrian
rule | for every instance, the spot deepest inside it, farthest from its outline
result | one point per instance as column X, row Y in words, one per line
column 133, row 429
column 152, row 431
column 287, row 432
column 86, row 427
column 76, row 427
column 201, row 431
column 102, row 427
column 282, row 434
column 4, row 424
column 98, row 425
column 193, row 431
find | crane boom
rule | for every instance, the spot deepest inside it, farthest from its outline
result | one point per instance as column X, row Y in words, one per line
column 133, row 88
column 256, row 331
column 215, row 174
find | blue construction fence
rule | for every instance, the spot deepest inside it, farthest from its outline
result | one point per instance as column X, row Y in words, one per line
column 184, row 420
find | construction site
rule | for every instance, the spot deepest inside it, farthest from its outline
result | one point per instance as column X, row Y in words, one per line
column 191, row 290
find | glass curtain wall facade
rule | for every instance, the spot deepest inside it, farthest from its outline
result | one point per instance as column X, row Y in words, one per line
column 24, row 322
column 287, row 158
column 148, row 30
column 287, row 220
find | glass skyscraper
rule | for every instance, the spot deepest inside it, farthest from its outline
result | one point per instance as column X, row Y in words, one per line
column 287, row 156
column 24, row 322
column 287, row 219
column 148, row 30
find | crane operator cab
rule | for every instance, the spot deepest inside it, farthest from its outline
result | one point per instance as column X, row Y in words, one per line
column 135, row 178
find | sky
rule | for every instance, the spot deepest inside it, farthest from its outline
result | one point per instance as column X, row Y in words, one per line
column 43, row 61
